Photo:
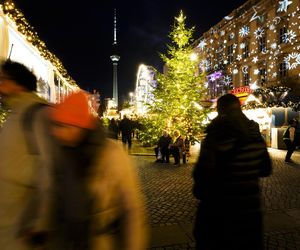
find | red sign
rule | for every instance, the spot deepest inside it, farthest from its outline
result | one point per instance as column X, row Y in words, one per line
column 241, row 90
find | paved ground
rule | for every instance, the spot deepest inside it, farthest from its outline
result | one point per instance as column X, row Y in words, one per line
column 171, row 206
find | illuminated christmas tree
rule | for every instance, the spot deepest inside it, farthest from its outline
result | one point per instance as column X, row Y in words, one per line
column 177, row 95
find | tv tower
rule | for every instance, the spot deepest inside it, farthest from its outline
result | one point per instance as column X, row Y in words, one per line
column 115, row 58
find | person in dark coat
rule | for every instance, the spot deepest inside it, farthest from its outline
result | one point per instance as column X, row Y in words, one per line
column 232, row 158
column 178, row 148
column 113, row 129
column 126, row 128
column 289, row 139
column 163, row 146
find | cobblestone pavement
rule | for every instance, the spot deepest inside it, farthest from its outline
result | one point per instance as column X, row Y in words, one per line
column 171, row 206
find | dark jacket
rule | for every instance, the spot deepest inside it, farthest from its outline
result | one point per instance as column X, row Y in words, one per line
column 226, row 179
column 164, row 142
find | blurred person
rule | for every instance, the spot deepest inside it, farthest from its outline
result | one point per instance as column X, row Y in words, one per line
column 126, row 128
column 113, row 129
column 24, row 172
column 97, row 202
column 232, row 158
column 289, row 136
column 163, row 147
column 178, row 147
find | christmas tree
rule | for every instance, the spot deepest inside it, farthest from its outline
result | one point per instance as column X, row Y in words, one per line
column 177, row 95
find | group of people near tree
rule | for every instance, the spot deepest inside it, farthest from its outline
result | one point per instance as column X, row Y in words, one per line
column 126, row 127
column 64, row 185
column 176, row 146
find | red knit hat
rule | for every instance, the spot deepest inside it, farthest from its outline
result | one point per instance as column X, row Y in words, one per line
column 74, row 110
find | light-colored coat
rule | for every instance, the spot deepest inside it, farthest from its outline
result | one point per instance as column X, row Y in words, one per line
column 115, row 185
column 20, row 172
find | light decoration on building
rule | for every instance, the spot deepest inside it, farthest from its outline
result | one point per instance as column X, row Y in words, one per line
column 292, row 60
column 255, row 16
column 32, row 37
column 259, row 32
column 273, row 51
column 283, row 5
column 255, row 59
column 202, row 44
column 244, row 31
column 289, row 36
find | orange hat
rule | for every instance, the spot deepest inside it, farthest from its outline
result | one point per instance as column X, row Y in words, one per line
column 74, row 110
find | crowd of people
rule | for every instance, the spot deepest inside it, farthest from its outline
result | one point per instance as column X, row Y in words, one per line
column 66, row 185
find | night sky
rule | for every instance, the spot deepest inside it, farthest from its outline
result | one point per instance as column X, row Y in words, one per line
column 80, row 34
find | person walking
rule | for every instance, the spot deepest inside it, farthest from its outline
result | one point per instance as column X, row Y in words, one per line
column 97, row 201
column 126, row 128
column 24, row 159
column 232, row 158
column 289, row 139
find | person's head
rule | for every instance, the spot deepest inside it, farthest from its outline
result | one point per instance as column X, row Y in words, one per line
column 15, row 78
column 227, row 104
column 71, row 119
column 165, row 133
column 293, row 122
column 176, row 133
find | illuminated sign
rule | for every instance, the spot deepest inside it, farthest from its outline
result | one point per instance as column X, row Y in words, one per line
column 244, row 90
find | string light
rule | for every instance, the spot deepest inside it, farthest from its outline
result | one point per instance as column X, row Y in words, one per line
column 32, row 37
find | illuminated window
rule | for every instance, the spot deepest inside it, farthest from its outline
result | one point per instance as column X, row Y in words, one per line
column 282, row 35
column 262, row 44
column 230, row 56
column 262, row 75
column 283, row 69
column 246, row 49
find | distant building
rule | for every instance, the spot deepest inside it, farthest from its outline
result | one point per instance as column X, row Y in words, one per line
column 256, row 45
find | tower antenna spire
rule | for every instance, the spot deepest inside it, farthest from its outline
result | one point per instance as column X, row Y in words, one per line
column 115, row 58
column 115, row 27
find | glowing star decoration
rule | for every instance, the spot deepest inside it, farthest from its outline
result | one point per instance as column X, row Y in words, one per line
column 255, row 16
column 274, row 75
column 259, row 32
column 228, row 79
column 272, row 27
column 274, row 46
column 239, row 57
column 292, row 60
column 289, row 36
column 242, row 45
column 255, row 59
column 202, row 44
column 235, row 71
column 244, row 31
column 283, row 5
column 256, row 71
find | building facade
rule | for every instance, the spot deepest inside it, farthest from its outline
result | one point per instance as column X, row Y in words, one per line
column 19, row 42
column 256, row 45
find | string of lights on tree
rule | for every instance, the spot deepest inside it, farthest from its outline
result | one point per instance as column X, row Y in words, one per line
column 217, row 41
column 32, row 37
